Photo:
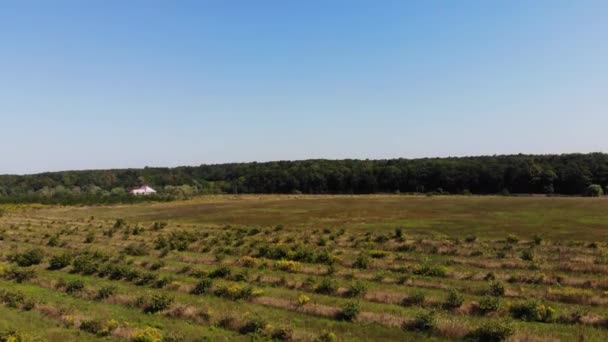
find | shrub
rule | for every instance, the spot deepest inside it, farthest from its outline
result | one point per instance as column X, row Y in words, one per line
column 53, row 241
column 349, row 311
column 378, row 254
column 430, row 270
column 406, row 248
column 303, row 300
column 357, row 289
column 532, row 311
column 234, row 292
column 220, row 272
column 496, row 289
column 20, row 275
column 203, row 286
column 85, row 264
column 136, row 250
column 527, row 254
column 249, row 261
column 470, row 238
column 89, row 238
column 253, row 326
column 74, row 286
column 537, row 239
column 594, row 190
column 416, row 298
column 326, row 337
column 398, row 233
column 93, row 327
column 147, row 335
column 454, row 299
column 512, row 239
column 362, row 262
column 491, row 332
column 424, row 321
column 30, row 257
column 488, row 304
column 58, row 262
column 288, row 265
column 105, row 292
column 11, row 299
column 327, row 286
column 158, row 302
column 282, row 334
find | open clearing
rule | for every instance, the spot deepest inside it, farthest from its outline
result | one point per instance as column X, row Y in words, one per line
column 346, row 268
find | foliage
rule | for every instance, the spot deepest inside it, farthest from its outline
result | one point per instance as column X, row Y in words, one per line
column 303, row 300
column 361, row 262
column 202, row 286
column 488, row 304
column 594, row 190
column 430, row 270
column 158, row 302
column 532, row 311
column 425, row 321
column 60, row 261
column 454, row 300
column 496, row 289
column 566, row 174
column 492, row 331
column 349, row 311
column 356, row 289
column 30, row 257
column 148, row 334
column 327, row 286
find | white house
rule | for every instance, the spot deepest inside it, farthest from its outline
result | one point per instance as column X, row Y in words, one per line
column 143, row 190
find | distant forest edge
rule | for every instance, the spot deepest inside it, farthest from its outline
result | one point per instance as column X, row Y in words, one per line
column 566, row 174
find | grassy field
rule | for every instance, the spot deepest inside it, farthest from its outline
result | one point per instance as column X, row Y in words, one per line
column 308, row 268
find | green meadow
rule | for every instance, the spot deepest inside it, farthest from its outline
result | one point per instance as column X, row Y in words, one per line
column 307, row 268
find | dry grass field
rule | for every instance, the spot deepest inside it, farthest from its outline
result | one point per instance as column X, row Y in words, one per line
column 308, row 268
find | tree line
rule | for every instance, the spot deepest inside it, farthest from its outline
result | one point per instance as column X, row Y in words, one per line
column 567, row 174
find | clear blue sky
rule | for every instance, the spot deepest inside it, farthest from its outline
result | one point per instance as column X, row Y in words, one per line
column 109, row 84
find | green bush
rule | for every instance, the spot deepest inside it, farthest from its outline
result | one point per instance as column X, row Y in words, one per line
column 357, row 289
column 105, row 292
column 491, row 332
column 74, row 286
column 326, row 337
column 454, row 300
column 532, row 311
column 20, row 275
column 58, row 262
column 202, row 286
column 85, row 264
column 527, row 255
column 136, row 249
column 253, row 326
column 282, row 334
column 488, row 304
column 416, row 298
column 424, row 321
column 349, row 311
column 496, row 289
column 512, row 239
column 93, row 327
column 430, row 270
column 158, row 302
column 30, row 257
column 327, row 286
column 594, row 190
column 362, row 262
column 470, row 238
column 220, row 272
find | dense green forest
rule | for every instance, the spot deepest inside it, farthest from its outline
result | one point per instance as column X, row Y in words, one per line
column 568, row 174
